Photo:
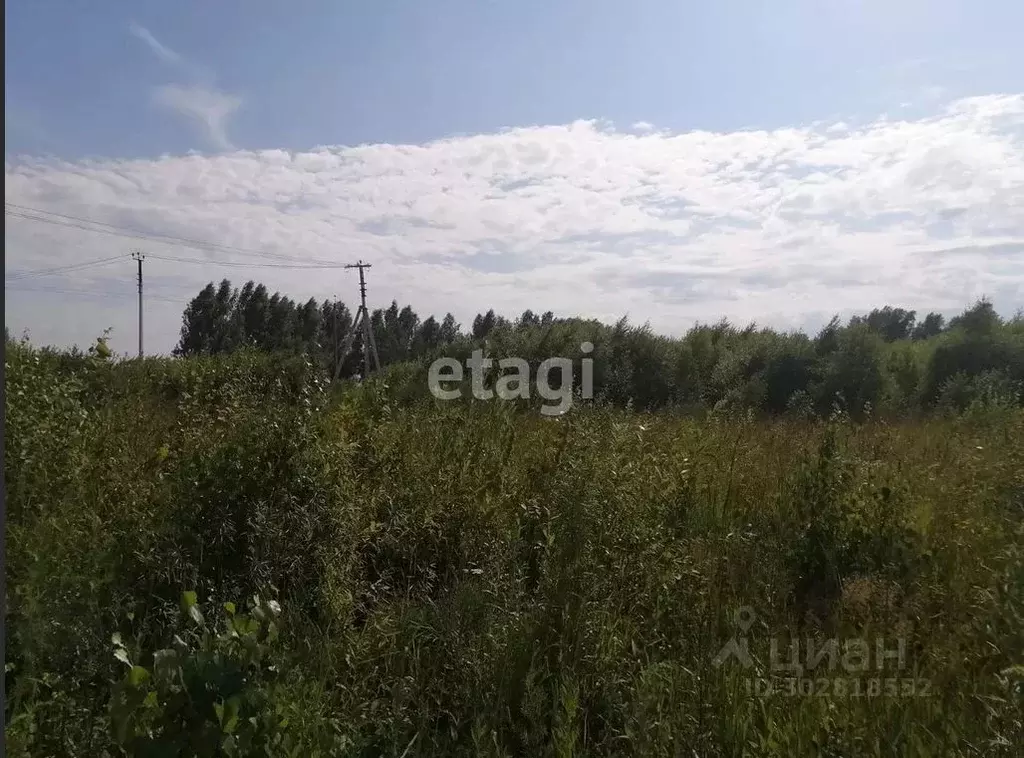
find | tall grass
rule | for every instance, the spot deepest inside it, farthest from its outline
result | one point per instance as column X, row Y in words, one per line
column 476, row 579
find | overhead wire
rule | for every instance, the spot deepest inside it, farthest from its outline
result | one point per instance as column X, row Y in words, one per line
column 19, row 275
column 100, row 227
column 74, row 222
column 104, row 293
column 236, row 264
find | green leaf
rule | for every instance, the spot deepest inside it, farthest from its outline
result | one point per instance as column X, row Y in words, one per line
column 196, row 614
column 229, row 607
column 188, row 600
column 137, row 676
column 231, row 708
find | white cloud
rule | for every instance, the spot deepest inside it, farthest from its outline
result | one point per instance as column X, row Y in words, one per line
column 781, row 227
column 161, row 51
column 201, row 104
column 206, row 108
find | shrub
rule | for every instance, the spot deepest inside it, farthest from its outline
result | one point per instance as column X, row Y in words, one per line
column 219, row 689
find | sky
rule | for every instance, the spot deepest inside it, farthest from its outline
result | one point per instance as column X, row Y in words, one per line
column 770, row 162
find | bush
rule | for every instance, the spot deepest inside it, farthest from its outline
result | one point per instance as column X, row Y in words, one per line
column 476, row 579
column 851, row 376
column 972, row 356
column 219, row 689
column 994, row 390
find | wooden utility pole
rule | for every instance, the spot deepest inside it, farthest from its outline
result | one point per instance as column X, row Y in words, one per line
column 360, row 324
column 138, row 256
column 336, row 336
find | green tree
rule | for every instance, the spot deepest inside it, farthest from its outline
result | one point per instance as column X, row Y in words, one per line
column 308, row 320
column 827, row 340
column 931, row 326
column 428, row 337
column 789, row 369
column 528, row 319
column 449, row 329
column 484, row 324
column 198, row 324
column 891, row 323
column 281, row 323
column 980, row 319
column 851, row 376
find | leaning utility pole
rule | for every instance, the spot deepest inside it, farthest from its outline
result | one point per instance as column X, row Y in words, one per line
column 361, row 323
column 140, row 258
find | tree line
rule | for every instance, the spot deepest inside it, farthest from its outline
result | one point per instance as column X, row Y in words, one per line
column 886, row 360
column 222, row 319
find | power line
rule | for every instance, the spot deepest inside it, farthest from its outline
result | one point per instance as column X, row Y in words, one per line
column 69, row 225
column 105, row 293
column 236, row 264
column 167, row 288
column 82, row 224
column 19, row 275
column 76, row 222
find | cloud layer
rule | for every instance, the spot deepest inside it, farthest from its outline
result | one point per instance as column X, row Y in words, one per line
column 781, row 227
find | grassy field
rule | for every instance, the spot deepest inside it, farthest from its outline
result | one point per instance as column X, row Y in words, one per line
column 214, row 556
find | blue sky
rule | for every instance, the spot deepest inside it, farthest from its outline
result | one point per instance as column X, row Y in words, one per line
column 335, row 72
column 778, row 123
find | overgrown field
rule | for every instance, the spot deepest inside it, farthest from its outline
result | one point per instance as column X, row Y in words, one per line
column 213, row 556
